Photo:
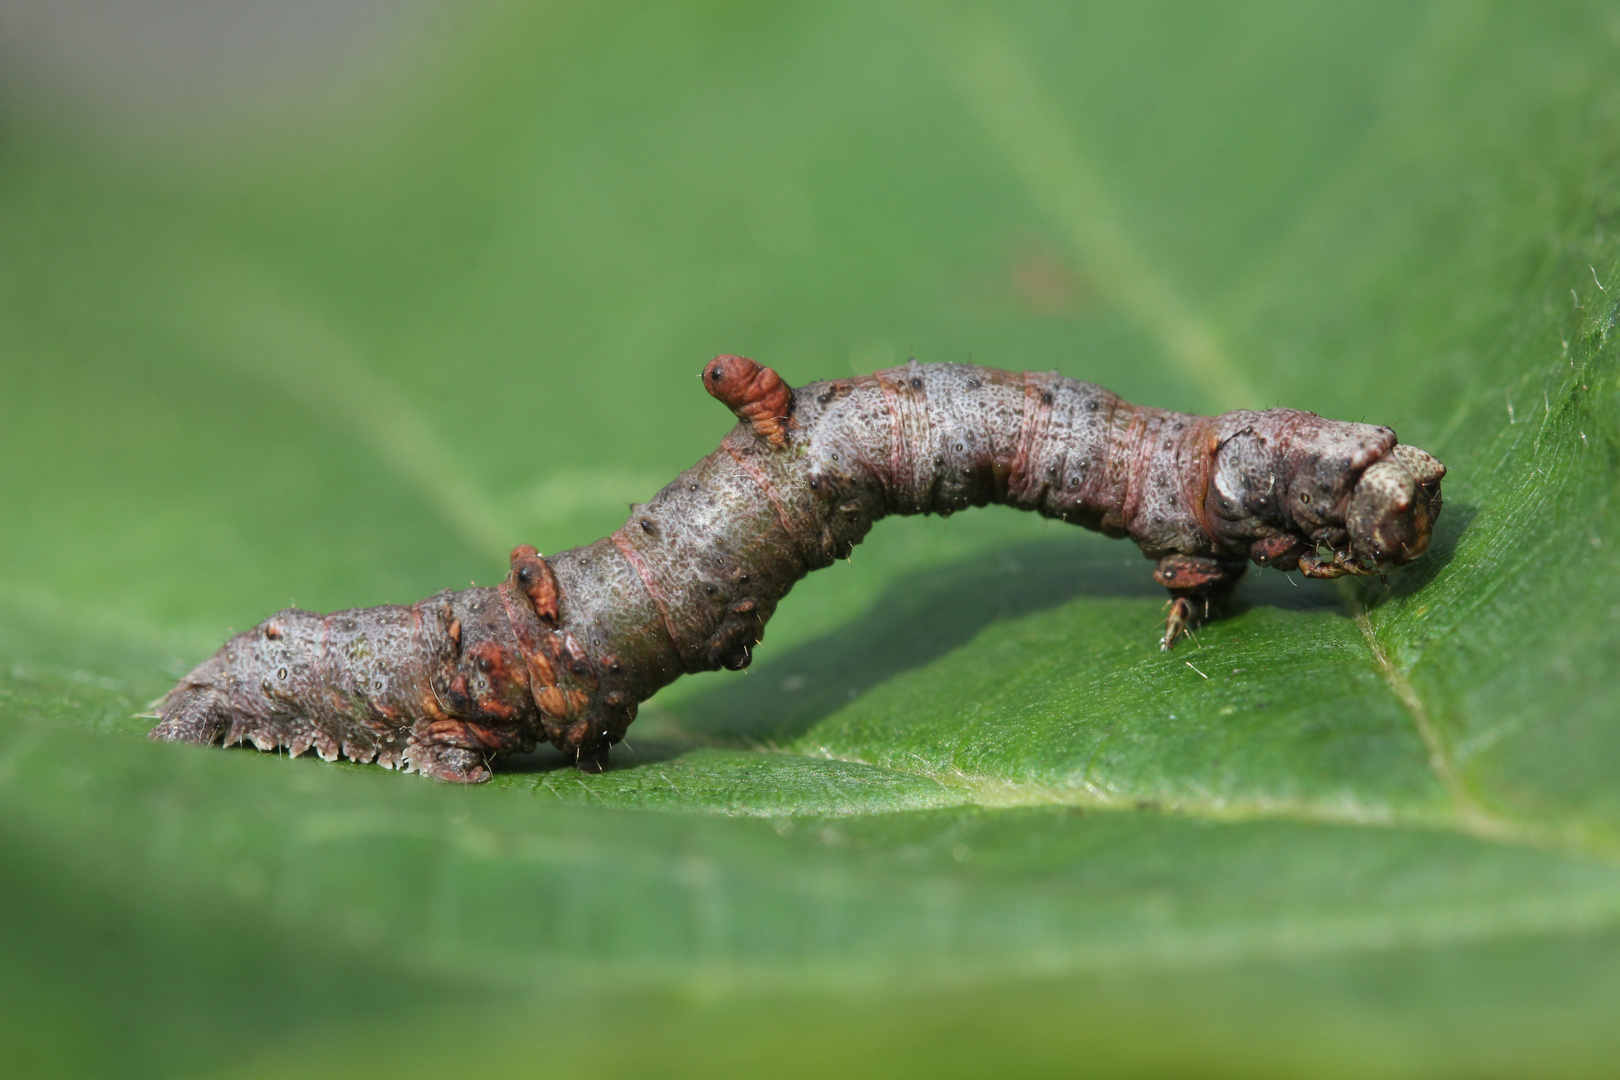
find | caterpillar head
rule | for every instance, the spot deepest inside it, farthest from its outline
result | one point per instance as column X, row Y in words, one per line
column 1394, row 506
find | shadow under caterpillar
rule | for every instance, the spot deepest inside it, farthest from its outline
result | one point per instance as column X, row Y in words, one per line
column 567, row 646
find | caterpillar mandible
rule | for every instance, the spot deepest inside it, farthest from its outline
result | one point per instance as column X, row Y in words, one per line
column 568, row 645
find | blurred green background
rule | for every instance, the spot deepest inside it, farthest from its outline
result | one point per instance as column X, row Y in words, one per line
column 333, row 303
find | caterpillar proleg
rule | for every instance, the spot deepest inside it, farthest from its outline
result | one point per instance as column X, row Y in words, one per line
column 566, row 647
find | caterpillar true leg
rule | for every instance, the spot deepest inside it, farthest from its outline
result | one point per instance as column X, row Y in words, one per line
column 1312, row 565
column 567, row 646
column 1183, row 615
column 1193, row 580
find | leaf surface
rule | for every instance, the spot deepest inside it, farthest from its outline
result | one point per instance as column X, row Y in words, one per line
column 961, row 814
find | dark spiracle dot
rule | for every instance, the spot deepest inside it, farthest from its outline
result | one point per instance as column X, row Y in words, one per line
column 525, row 575
column 281, row 673
column 716, row 373
column 1091, row 406
column 916, row 383
column 1046, row 397
column 1305, row 498
column 646, row 526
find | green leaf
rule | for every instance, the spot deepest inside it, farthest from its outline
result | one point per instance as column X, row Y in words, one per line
column 346, row 344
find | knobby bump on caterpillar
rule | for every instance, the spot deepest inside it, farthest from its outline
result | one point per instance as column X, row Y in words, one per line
column 566, row 647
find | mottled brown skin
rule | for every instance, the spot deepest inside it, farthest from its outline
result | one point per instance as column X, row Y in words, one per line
column 566, row 647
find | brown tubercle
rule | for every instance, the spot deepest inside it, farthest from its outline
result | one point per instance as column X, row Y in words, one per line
column 755, row 393
column 534, row 578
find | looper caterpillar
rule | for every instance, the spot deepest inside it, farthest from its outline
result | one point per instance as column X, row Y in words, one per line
column 566, row 647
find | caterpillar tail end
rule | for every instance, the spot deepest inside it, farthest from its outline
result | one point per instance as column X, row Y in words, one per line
column 193, row 712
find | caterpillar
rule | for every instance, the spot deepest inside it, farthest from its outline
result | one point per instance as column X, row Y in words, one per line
column 565, row 648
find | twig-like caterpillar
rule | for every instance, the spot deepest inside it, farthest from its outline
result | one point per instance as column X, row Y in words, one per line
column 566, row 647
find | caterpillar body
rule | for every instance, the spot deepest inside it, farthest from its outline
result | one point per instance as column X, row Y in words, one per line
column 566, row 647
